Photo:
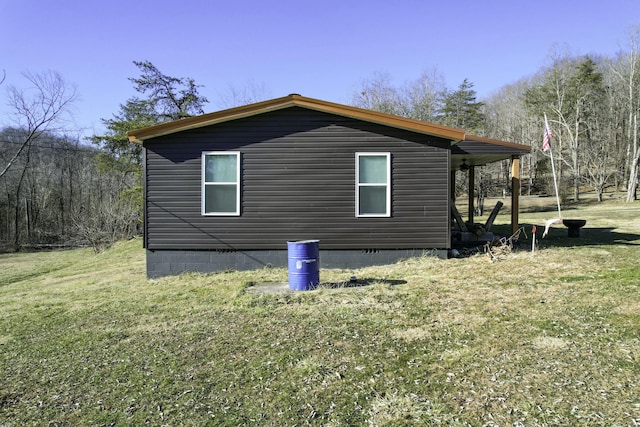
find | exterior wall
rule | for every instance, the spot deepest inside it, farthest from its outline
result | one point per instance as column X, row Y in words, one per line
column 298, row 183
column 172, row 262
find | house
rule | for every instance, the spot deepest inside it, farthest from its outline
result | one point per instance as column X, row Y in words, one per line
column 227, row 190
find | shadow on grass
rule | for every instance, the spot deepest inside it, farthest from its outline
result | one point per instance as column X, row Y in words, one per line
column 558, row 236
column 361, row 282
column 566, row 206
column 282, row 287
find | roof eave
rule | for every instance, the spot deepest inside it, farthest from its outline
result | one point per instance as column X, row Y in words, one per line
column 386, row 119
column 491, row 141
column 139, row 135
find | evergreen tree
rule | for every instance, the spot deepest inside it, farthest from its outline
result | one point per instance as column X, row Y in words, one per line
column 572, row 93
column 461, row 110
column 167, row 98
column 170, row 98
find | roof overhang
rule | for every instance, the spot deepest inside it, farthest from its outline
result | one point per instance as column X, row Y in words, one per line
column 470, row 149
column 432, row 129
column 479, row 151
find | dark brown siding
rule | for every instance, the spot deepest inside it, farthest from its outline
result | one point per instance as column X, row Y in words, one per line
column 298, row 182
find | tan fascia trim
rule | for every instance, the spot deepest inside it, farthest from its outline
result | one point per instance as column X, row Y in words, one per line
column 497, row 142
column 139, row 135
column 382, row 118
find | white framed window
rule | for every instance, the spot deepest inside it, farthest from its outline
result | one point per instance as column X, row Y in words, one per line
column 373, row 184
column 221, row 183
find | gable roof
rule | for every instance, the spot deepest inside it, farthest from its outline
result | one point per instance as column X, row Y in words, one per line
column 140, row 135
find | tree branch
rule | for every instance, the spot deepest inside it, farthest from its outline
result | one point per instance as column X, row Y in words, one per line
column 37, row 112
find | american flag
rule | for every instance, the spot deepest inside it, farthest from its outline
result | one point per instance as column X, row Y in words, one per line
column 546, row 141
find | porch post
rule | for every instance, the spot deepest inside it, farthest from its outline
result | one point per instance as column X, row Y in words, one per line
column 472, row 189
column 515, row 193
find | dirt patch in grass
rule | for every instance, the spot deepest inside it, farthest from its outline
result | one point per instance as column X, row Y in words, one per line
column 268, row 288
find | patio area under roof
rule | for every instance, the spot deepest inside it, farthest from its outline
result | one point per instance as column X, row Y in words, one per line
column 476, row 151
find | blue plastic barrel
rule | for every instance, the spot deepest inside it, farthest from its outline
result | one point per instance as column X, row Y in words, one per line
column 304, row 264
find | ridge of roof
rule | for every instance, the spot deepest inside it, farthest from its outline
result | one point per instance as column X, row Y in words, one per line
column 139, row 135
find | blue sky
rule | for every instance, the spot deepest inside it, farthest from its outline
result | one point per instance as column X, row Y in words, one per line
column 321, row 49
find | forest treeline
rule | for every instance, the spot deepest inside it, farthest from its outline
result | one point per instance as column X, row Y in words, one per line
column 591, row 104
column 59, row 190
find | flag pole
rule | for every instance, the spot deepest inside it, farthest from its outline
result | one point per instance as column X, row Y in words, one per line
column 553, row 167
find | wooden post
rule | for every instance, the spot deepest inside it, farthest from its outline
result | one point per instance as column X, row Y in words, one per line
column 472, row 188
column 515, row 193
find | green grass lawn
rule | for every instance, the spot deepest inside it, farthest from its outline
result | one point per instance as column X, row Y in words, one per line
column 550, row 338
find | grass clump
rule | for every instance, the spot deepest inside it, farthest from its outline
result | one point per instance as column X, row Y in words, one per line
column 544, row 339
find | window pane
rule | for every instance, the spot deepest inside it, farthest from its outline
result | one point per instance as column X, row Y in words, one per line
column 220, row 198
column 373, row 200
column 372, row 170
column 221, row 168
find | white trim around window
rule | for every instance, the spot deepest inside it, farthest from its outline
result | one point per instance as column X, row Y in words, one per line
column 373, row 185
column 220, row 194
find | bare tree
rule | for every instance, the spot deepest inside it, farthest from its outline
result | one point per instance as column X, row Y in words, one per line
column 253, row 92
column 379, row 95
column 598, row 151
column 626, row 72
column 36, row 110
column 573, row 93
column 422, row 97
column 507, row 118
column 40, row 108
